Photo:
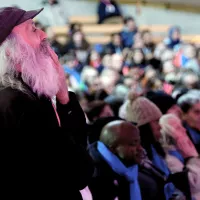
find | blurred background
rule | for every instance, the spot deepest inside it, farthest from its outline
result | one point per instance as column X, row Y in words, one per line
column 115, row 51
column 108, row 48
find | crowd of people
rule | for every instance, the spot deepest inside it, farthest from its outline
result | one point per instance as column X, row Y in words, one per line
column 153, row 86
column 132, row 115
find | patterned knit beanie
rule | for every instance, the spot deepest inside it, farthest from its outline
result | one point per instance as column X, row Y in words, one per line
column 142, row 111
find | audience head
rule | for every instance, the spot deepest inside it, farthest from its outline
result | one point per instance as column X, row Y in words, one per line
column 90, row 75
column 142, row 111
column 168, row 67
column 107, row 61
column 190, row 80
column 138, row 56
column 190, row 105
column 98, row 109
column 123, row 139
column 164, row 101
column 147, row 37
column 70, row 60
column 116, row 39
column 175, row 33
column 130, row 23
column 171, row 128
column 75, row 27
column 117, row 61
column 189, row 51
column 52, row 2
column 167, row 55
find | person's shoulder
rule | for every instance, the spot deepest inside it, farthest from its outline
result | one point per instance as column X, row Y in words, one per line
column 9, row 93
column 10, row 96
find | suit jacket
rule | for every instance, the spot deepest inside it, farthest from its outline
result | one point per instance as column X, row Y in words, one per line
column 106, row 184
column 35, row 162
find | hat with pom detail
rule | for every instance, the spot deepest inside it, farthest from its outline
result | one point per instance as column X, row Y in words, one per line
column 141, row 110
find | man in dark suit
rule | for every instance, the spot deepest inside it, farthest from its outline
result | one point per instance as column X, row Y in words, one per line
column 39, row 164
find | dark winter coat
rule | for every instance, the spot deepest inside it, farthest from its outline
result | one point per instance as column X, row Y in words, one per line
column 103, row 14
column 34, row 162
column 107, row 185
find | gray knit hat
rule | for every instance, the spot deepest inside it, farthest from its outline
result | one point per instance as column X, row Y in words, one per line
column 142, row 111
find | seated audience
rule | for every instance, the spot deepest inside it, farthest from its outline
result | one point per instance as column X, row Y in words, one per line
column 116, row 156
column 175, row 142
column 174, row 37
column 116, row 44
column 130, row 29
column 190, row 105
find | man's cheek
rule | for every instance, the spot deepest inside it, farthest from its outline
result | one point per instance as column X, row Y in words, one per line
column 120, row 152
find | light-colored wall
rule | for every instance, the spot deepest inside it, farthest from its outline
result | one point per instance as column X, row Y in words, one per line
column 189, row 22
column 186, row 2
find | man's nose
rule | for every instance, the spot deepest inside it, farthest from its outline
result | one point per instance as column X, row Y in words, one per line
column 42, row 35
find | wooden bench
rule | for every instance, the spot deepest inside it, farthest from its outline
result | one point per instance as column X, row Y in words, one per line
column 191, row 38
column 105, row 29
column 155, row 28
column 83, row 19
column 108, row 29
column 106, row 39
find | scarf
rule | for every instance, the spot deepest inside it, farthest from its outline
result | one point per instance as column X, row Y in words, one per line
column 130, row 173
column 160, row 163
column 176, row 154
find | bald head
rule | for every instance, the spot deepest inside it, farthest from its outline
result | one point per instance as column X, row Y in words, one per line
column 123, row 139
column 117, row 130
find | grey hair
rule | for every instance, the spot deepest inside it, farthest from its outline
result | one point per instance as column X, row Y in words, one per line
column 8, row 72
column 187, row 100
column 194, row 92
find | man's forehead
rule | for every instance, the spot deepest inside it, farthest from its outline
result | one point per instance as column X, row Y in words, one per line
column 21, row 27
column 128, row 130
column 30, row 21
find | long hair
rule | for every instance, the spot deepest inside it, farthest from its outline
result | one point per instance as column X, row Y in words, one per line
column 147, row 139
column 33, row 66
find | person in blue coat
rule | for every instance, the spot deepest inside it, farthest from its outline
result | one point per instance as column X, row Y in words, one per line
column 129, row 31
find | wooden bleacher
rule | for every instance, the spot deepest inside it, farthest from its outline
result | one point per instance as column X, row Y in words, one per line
column 101, row 33
column 83, row 19
column 107, row 29
column 106, row 39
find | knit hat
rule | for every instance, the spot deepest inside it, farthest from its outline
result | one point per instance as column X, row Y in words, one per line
column 142, row 111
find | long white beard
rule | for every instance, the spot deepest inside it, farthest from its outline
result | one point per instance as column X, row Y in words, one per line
column 35, row 66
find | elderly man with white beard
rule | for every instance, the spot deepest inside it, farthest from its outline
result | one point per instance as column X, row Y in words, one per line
column 38, row 165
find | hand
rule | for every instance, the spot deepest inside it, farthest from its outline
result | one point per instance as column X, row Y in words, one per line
column 62, row 94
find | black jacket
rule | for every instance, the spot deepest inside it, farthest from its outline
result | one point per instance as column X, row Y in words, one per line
column 40, row 159
column 106, row 184
column 102, row 14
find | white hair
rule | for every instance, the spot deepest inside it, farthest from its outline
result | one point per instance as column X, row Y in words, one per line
column 33, row 66
column 8, row 72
